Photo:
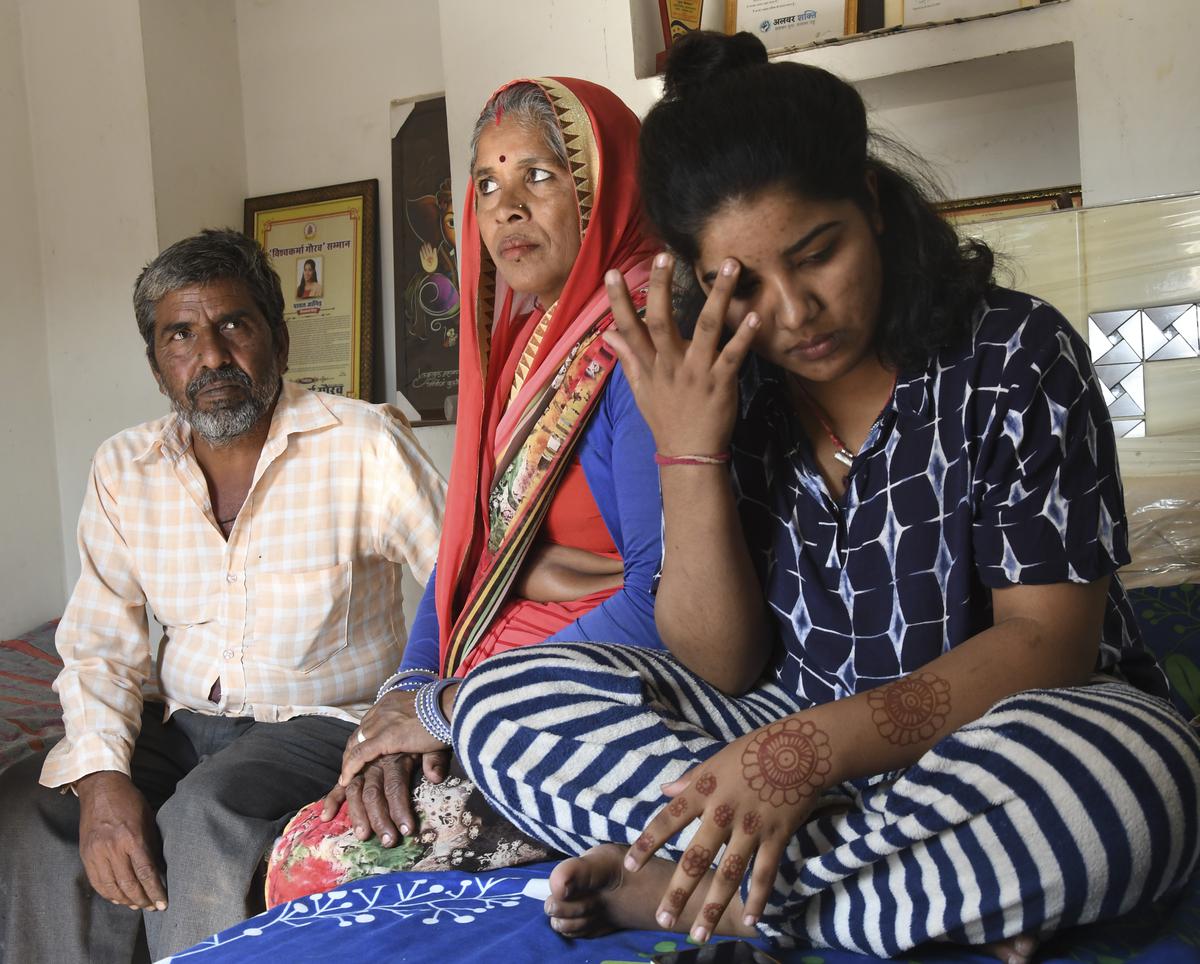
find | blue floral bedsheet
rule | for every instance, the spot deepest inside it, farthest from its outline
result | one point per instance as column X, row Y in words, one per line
column 450, row 916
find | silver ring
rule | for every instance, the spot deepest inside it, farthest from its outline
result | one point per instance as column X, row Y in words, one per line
column 360, row 736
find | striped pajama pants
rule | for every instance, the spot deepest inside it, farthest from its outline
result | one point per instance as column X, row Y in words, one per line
column 1055, row 808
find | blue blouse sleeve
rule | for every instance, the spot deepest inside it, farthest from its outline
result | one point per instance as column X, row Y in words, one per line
column 617, row 453
column 1049, row 505
column 421, row 652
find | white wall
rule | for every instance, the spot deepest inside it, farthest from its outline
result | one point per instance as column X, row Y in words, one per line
column 194, row 94
column 94, row 190
column 1136, row 74
column 31, row 561
column 1002, row 124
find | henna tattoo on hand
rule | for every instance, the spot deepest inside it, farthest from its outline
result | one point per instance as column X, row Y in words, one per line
column 751, row 823
column 644, row 843
column 677, row 807
column 677, row 899
column 787, row 761
column 911, row 709
column 723, row 816
column 706, row 784
column 696, row 861
column 711, row 914
column 733, row 868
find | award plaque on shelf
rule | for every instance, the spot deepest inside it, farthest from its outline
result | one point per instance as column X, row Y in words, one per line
column 782, row 24
column 679, row 17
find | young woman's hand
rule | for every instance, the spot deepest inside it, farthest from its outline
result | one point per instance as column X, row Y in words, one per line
column 686, row 391
column 752, row 796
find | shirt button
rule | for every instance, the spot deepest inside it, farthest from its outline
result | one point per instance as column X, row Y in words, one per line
column 228, row 654
column 231, row 577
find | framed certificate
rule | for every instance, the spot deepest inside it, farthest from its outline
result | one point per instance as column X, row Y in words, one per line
column 324, row 244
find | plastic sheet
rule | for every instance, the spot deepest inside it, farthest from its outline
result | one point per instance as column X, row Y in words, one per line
column 1161, row 476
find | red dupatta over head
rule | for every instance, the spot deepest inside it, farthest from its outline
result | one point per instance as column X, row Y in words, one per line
column 601, row 134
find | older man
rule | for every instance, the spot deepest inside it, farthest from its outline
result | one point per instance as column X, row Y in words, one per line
column 265, row 527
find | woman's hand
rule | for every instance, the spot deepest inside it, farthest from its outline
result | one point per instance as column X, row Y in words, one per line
column 554, row 573
column 390, row 726
column 380, row 798
column 753, row 796
column 686, row 391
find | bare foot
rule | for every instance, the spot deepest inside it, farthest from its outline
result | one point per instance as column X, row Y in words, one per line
column 594, row 894
column 1014, row 950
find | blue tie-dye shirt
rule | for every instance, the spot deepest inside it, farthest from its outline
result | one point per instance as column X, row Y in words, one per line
column 996, row 465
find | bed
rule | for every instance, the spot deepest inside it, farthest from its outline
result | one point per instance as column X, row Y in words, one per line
column 451, row 916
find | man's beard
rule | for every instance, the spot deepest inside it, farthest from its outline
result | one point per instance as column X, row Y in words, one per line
column 229, row 420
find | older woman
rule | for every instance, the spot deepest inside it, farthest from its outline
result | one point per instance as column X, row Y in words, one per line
column 553, row 519
column 905, row 698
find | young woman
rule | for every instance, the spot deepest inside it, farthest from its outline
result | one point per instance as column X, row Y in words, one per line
column 940, row 723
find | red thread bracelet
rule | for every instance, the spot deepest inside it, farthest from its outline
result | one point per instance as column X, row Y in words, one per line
column 719, row 459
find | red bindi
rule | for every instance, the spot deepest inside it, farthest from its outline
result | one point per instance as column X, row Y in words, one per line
column 502, row 158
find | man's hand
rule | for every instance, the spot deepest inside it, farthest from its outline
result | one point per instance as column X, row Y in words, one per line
column 118, row 841
column 379, row 799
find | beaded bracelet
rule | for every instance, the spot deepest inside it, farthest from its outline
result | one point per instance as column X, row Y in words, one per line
column 428, row 707
column 719, row 459
column 405, row 681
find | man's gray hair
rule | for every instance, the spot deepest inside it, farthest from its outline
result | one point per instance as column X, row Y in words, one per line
column 212, row 255
column 528, row 104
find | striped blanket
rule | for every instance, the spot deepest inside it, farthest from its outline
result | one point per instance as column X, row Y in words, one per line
column 30, row 717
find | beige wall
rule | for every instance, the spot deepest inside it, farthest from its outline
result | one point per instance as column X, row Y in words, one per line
column 31, row 560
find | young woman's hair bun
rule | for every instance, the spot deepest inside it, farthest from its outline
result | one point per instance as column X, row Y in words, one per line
column 700, row 57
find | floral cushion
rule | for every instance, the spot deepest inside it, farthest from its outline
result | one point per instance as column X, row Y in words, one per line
column 458, row 831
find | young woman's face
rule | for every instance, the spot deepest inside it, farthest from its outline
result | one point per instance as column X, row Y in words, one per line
column 526, row 209
column 811, row 270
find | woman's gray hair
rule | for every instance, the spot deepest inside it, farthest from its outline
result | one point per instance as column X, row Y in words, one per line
column 528, row 104
column 211, row 255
